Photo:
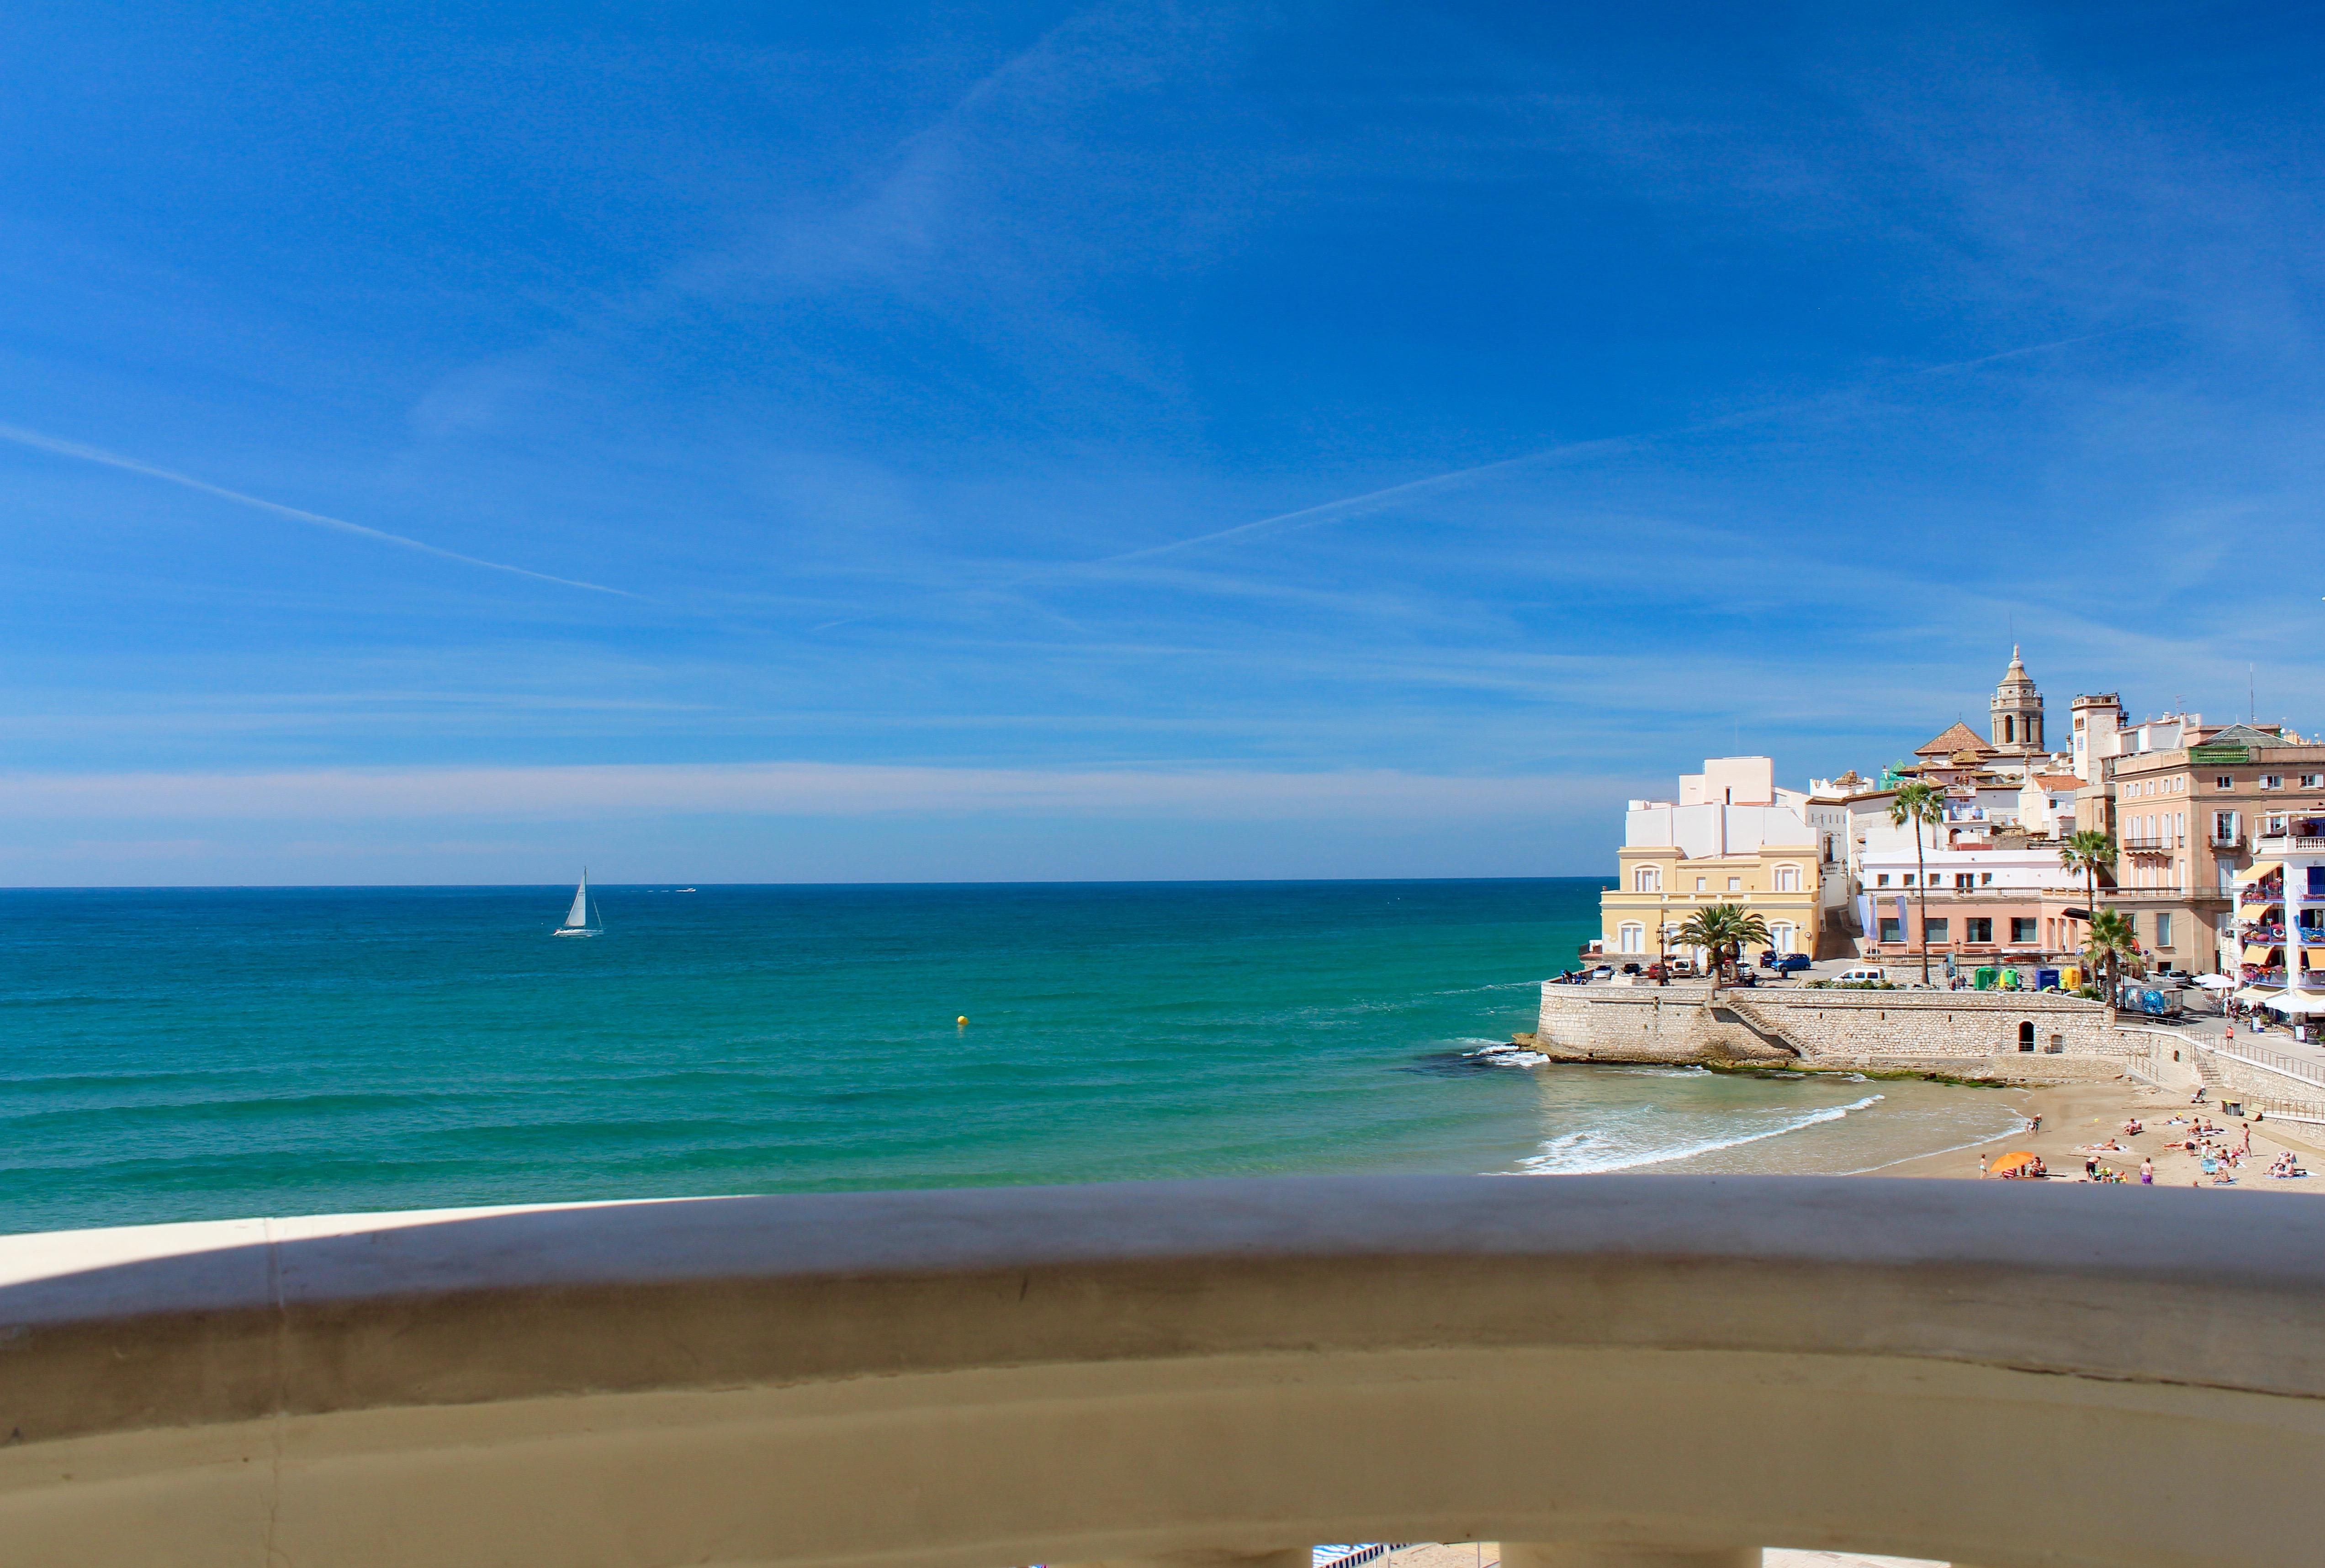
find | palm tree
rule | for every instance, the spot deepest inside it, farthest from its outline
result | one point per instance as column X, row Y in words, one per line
column 1722, row 930
column 2086, row 851
column 1921, row 802
column 2110, row 939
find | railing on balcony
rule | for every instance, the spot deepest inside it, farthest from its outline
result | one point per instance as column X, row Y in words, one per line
column 2163, row 845
column 1982, row 1373
column 2296, row 841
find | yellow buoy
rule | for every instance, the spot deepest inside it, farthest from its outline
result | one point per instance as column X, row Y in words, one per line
column 962, row 1021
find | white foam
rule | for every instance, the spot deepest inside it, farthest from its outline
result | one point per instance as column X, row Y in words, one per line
column 1591, row 1150
column 1505, row 1054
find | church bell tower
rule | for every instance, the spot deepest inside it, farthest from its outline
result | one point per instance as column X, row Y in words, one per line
column 2017, row 713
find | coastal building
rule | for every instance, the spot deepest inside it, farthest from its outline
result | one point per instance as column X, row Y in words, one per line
column 2195, row 821
column 2280, row 916
column 2001, row 897
column 2046, row 805
column 1731, row 838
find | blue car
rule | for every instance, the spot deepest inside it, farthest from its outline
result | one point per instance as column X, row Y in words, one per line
column 1784, row 963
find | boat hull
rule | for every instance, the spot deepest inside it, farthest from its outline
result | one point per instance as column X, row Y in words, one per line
column 574, row 931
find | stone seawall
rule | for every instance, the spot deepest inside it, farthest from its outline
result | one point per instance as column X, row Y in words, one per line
column 1967, row 1034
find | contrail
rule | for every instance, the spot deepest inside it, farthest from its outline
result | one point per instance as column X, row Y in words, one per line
column 51, row 444
column 1350, row 506
column 1326, row 512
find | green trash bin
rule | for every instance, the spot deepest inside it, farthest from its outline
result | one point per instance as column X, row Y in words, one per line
column 1983, row 980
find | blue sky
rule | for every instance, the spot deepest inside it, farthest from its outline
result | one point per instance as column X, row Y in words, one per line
column 892, row 442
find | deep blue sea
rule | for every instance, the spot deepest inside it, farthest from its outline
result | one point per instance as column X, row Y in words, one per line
column 203, row 1053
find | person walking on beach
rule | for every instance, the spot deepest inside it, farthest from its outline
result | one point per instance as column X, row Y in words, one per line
column 2034, row 1121
column 2147, row 1173
column 1981, row 1167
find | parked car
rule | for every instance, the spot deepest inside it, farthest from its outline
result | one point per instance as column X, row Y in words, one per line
column 1864, row 973
column 1681, row 968
column 1630, row 969
column 1603, row 971
column 1784, row 963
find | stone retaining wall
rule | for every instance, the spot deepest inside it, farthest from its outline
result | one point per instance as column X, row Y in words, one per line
column 1970, row 1033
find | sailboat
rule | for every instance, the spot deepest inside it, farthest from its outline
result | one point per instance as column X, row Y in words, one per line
column 577, row 920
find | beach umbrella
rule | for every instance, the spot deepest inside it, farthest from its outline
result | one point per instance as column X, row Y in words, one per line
column 2216, row 983
column 2010, row 1162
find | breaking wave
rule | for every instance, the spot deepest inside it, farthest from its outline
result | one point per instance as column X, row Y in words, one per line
column 1595, row 1149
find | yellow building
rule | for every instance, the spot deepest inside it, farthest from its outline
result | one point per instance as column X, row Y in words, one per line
column 1731, row 838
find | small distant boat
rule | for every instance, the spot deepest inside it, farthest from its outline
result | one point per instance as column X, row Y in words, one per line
column 580, row 919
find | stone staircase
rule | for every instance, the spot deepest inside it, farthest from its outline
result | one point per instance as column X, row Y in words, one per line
column 1732, row 1008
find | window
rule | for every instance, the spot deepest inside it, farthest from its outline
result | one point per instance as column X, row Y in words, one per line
column 2273, row 825
column 1788, row 879
column 2312, row 781
column 1881, row 879
column 1977, row 928
column 1698, row 884
column 2022, row 929
column 1893, row 930
column 2131, row 923
column 2164, row 930
column 1736, row 884
column 1907, row 879
column 1831, row 852
column 2226, row 827
column 1964, row 881
column 2223, row 782
column 1632, row 939
column 1647, row 880
column 2272, row 780
column 1934, row 929
column 1780, row 935
column 1985, row 879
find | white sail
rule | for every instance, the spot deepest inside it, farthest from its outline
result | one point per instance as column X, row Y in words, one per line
column 577, row 916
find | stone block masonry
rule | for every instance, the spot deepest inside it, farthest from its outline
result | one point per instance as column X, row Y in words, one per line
column 2018, row 1037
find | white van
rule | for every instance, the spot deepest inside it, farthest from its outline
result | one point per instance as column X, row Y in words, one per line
column 1859, row 976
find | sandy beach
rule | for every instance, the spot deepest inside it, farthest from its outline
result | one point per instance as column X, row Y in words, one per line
column 2075, row 1117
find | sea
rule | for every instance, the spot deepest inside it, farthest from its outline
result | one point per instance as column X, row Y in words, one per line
column 189, row 1053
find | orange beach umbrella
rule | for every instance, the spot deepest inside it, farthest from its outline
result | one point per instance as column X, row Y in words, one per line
column 2010, row 1162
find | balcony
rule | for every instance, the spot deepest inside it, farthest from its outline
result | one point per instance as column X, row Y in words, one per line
column 1982, row 1373
column 2164, row 846
column 2302, row 839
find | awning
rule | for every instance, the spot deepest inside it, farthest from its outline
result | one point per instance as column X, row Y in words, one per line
column 2257, row 869
column 2297, row 1003
column 2256, row 994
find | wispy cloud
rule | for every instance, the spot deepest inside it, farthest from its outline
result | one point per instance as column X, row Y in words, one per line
column 58, row 447
column 754, row 788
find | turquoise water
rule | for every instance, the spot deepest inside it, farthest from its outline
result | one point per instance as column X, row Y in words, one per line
column 204, row 1054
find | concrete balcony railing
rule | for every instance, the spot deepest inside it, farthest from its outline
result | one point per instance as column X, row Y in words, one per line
column 1589, row 1369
